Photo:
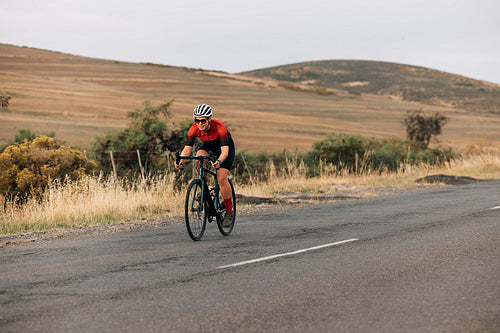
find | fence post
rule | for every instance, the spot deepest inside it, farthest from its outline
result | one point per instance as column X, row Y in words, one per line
column 140, row 163
column 167, row 153
column 113, row 163
column 272, row 169
column 356, row 163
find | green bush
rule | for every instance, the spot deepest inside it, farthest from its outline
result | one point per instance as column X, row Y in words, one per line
column 250, row 167
column 355, row 153
column 22, row 135
column 342, row 149
column 26, row 168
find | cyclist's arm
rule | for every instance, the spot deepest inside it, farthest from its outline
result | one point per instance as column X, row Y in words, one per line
column 224, row 142
column 222, row 157
column 224, row 153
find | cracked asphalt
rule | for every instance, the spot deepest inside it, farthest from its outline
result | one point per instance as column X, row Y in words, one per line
column 423, row 261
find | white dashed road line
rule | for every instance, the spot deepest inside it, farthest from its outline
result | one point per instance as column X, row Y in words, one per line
column 241, row 263
column 497, row 207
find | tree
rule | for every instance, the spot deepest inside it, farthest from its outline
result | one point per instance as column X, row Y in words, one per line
column 147, row 132
column 421, row 127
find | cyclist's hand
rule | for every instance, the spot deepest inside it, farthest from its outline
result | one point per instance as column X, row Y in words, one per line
column 178, row 166
column 216, row 164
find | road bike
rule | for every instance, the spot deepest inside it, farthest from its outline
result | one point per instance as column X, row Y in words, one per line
column 203, row 202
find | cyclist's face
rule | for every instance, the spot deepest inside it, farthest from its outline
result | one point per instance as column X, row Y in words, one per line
column 202, row 123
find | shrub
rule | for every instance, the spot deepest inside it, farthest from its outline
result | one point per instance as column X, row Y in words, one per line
column 26, row 168
column 343, row 150
column 249, row 167
column 148, row 133
column 22, row 135
column 354, row 153
column 421, row 127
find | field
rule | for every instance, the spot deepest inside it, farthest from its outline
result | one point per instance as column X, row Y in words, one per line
column 79, row 98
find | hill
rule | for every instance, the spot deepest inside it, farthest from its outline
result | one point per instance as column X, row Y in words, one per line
column 79, row 97
column 410, row 83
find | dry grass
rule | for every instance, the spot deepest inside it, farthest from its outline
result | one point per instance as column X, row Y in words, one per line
column 99, row 200
column 93, row 201
column 484, row 166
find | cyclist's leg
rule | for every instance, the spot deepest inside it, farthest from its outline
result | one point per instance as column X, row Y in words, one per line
column 225, row 188
column 200, row 152
column 223, row 174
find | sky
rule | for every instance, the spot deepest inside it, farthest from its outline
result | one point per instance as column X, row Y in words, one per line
column 457, row 36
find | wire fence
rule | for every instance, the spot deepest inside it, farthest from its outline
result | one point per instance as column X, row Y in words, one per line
column 128, row 163
column 133, row 160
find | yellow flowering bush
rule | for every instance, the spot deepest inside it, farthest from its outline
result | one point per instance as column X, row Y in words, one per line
column 26, row 168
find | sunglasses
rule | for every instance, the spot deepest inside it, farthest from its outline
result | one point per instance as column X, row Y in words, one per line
column 201, row 121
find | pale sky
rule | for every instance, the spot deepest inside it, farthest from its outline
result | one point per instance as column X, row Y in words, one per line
column 456, row 36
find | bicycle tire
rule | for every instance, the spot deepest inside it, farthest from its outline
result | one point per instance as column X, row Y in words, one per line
column 195, row 212
column 227, row 231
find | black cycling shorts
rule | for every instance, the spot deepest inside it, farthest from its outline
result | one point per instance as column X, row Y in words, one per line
column 214, row 147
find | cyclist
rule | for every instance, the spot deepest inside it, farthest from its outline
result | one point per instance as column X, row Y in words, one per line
column 216, row 139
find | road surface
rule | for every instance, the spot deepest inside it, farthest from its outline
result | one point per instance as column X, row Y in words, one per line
column 425, row 261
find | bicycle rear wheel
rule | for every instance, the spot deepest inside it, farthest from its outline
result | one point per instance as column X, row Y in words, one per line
column 222, row 209
column 195, row 212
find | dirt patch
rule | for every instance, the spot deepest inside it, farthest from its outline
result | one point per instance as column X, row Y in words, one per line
column 449, row 180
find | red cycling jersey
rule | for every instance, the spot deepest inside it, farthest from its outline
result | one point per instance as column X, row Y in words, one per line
column 216, row 132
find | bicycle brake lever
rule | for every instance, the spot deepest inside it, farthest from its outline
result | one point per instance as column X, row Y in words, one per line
column 178, row 159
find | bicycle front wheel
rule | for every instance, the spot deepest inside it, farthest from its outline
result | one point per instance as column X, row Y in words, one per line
column 195, row 212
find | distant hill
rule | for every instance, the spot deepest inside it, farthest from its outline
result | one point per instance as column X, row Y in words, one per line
column 410, row 83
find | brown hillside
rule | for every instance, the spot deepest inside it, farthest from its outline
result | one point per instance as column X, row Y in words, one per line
column 79, row 98
column 411, row 83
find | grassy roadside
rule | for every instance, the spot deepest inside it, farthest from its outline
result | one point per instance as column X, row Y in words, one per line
column 99, row 200
column 485, row 166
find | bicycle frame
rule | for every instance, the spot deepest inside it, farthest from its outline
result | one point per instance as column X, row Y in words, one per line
column 206, row 199
column 203, row 202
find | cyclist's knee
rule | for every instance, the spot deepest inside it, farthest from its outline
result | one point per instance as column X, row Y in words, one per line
column 222, row 175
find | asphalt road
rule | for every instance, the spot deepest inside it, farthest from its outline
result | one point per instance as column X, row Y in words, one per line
column 424, row 261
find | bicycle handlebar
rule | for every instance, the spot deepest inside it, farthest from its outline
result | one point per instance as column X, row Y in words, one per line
column 210, row 157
